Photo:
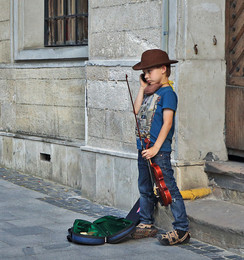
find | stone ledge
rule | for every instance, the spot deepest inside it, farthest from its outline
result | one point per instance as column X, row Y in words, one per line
column 111, row 63
column 227, row 175
column 227, row 168
column 50, row 64
column 109, row 152
column 72, row 143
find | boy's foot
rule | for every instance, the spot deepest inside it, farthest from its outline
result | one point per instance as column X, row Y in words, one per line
column 144, row 230
column 174, row 237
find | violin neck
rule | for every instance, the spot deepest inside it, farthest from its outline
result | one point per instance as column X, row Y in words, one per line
column 150, row 172
column 150, row 162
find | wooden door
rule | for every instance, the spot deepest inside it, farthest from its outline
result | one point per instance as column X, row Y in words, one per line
column 235, row 77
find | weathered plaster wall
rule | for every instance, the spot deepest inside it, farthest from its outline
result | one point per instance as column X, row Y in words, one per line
column 5, row 53
column 54, row 107
column 42, row 107
column 119, row 31
column 123, row 29
column 111, row 122
column 201, row 109
column 201, row 79
column 200, row 83
column 48, row 102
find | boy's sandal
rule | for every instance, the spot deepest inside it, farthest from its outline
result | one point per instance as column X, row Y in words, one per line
column 144, row 230
column 172, row 238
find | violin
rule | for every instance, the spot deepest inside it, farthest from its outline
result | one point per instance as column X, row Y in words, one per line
column 160, row 189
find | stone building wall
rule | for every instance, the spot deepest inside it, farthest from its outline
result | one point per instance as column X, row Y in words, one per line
column 65, row 113
column 42, row 102
column 200, row 81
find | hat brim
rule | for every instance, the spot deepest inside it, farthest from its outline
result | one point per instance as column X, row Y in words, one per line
column 140, row 66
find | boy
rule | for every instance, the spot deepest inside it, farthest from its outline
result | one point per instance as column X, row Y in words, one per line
column 155, row 106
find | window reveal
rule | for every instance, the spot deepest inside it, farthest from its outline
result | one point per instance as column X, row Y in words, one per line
column 66, row 22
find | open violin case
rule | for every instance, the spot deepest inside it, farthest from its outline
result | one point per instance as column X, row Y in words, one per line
column 107, row 229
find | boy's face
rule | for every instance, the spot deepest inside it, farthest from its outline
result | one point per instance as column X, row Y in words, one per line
column 155, row 75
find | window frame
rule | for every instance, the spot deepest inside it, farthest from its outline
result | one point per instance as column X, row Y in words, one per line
column 64, row 17
column 43, row 53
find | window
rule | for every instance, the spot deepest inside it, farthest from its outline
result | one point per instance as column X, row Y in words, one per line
column 66, row 23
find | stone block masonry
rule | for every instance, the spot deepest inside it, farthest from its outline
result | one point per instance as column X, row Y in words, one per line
column 44, row 102
column 70, row 120
column 5, row 53
column 109, row 178
column 124, row 36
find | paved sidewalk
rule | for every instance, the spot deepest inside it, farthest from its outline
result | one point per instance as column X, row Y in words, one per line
column 35, row 215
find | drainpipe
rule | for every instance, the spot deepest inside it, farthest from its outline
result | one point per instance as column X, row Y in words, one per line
column 165, row 25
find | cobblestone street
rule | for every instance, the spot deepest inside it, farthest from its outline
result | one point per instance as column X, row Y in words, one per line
column 36, row 213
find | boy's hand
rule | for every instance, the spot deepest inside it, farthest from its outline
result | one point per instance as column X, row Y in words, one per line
column 149, row 153
column 143, row 83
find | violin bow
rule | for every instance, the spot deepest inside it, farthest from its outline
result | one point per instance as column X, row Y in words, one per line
column 138, row 129
column 162, row 193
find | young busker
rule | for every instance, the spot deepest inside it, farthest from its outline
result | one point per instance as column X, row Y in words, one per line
column 155, row 106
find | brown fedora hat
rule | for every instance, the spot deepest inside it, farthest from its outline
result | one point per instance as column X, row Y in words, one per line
column 152, row 58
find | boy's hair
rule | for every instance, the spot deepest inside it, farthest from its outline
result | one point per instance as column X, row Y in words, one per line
column 168, row 69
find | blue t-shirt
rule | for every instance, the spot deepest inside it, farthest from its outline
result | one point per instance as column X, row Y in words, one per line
column 150, row 117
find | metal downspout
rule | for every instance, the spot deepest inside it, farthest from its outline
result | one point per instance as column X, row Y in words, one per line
column 165, row 25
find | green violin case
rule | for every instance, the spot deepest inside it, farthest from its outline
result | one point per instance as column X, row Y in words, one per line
column 107, row 229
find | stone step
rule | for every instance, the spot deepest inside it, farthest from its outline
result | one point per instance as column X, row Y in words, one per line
column 217, row 222
column 227, row 180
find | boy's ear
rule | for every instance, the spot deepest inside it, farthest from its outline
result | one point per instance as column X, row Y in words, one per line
column 163, row 68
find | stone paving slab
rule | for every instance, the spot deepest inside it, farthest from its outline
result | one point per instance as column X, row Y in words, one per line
column 35, row 215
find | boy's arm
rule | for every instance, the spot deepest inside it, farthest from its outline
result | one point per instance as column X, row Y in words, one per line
column 168, row 115
column 140, row 95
